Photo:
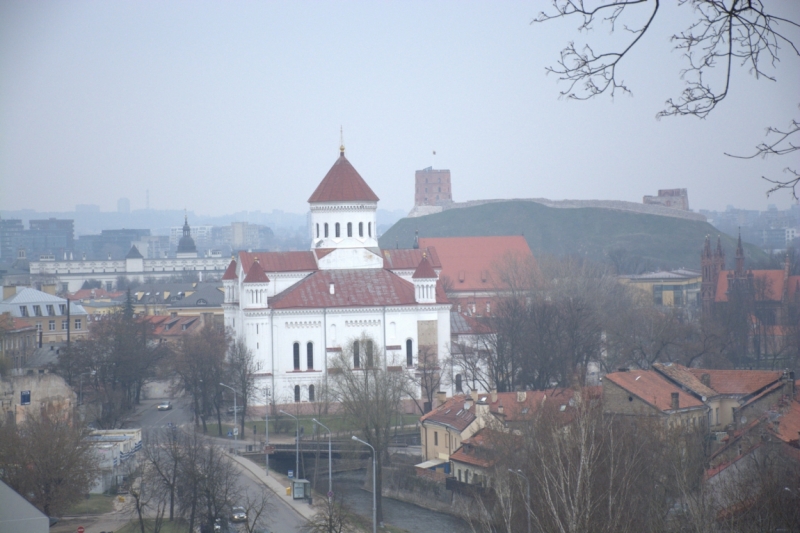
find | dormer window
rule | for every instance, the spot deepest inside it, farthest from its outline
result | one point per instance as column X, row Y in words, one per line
column 51, row 310
column 37, row 310
column 23, row 310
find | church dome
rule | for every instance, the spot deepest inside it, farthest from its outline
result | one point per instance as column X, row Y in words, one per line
column 186, row 244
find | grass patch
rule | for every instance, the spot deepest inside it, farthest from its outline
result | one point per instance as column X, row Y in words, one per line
column 94, row 505
column 178, row 526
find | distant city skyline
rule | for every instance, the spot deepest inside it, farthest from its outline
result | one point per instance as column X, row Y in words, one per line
column 221, row 108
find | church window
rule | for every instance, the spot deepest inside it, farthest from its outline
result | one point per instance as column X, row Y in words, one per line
column 311, row 393
column 349, row 229
column 356, row 359
column 326, row 230
column 458, row 383
column 317, row 230
column 297, row 393
column 409, row 353
column 360, row 229
column 440, row 189
column 296, row 349
column 369, row 229
column 337, row 230
column 310, row 355
column 369, row 354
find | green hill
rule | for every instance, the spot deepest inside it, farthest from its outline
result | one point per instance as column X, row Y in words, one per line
column 634, row 242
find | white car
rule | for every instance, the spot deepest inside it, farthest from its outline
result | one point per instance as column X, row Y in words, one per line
column 238, row 514
column 164, row 406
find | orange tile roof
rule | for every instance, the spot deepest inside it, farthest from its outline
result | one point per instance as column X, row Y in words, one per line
column 452, row 413
column 515, row 410
column 478, row 450
column 653, row 389
column 738, row 382
column 343, row 183
column 471, row 262
column 681, row 374
column 87, row 294
column 789, row 427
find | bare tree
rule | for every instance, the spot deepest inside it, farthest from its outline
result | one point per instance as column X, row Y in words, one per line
column 370, row 391
column 242, row 367
column 163, row 450
column 48, row 460
column 332, row 517
column 427, row 380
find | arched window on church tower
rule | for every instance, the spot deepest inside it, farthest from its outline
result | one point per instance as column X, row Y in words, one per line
column 318, row 230
column 356, row 358
column 360, row 229
column 311, row 393
column 349, row 229
column 297, row 393
column 369, row 354
column 409, row 353
column 369, row 229
column 310, row 355
column 326, row 230
column 338, row 233
column 296, row 354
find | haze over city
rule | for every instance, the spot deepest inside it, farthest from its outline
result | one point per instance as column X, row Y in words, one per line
column 220, row 108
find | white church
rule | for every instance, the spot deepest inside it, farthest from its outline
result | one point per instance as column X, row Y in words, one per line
column 296, row 310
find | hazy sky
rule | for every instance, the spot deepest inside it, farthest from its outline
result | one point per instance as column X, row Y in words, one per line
column 221, row 107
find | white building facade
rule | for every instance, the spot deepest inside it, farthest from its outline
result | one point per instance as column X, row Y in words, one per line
column 298, row 310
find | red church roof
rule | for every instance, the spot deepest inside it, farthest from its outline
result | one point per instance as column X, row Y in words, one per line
column 343, row 183
column 408, row 259
column 279, row 261
column 230, row 272
column 424, row 270
column 768, row 285
column 256, row 274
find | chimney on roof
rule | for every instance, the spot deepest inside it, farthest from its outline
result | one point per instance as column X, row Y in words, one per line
column 494, row 395
column 441, row 396
column 500, row 409
column 675, row 401
column 9, row 291
column 705, row 379
column 332, row 288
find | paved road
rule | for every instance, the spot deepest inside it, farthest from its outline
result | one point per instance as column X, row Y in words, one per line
column 281, row 518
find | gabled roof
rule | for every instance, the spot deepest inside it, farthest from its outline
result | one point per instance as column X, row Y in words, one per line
column 230, row 272
column 769, row 285
column 279, row 261
column 352, row 288
column 738, row 382
column 134, row 253
column 208, row 295
column 681, row 375
column 409, row 259
column 478, row 450
column 653, row 389
column 521, row 405
column 424, row 270
column 255, row 274
column 452, row 413
column 470, row 262
column 343, row 183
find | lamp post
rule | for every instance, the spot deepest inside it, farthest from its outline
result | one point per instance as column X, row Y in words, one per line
column 528, row 493
column 234, row 410
column 296, row 444
column 374, row 495
column 330, row 461
column 266, row 431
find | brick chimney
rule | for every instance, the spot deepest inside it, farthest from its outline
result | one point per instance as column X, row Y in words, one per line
column 494, row 396
column 441, row 397
column 675, row 401
column 474, row 395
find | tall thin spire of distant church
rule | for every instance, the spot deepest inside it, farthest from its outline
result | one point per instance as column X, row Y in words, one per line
column 341, row 141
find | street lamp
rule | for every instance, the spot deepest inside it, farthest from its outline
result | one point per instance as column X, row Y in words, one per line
column 330, row 462
column 266, row 431
column 296, row 444
column 235, row 428
column 528, row 492
column 374, row 496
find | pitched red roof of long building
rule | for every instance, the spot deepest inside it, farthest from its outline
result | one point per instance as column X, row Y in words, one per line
column 651, row 388
column 343, row 183
column 769, row 285
column 738, row 381
column 279, row 261
column 352, row 288
column 471, row 262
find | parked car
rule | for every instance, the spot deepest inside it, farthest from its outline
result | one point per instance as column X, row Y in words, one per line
column 164, row 406
column 238, row 514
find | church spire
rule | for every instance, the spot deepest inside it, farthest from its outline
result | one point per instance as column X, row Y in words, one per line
column 341, row 141
column 739, row 255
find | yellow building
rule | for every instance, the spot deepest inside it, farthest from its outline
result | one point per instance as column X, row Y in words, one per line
column 674, row 288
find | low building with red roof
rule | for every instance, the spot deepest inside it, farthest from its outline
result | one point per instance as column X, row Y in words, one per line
column 296, row 310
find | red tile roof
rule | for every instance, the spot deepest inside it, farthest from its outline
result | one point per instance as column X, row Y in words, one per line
column 409, row 259
column 521, row 405
column 682, row 376
column 740, row 382
column 478, row 449
column 88, row 294
column 424, row 270
column 653, row 389
column 343, row 183
column 769, row 285
column 471, row 262
column 452, row 413
column 788, row 429
column 255, row 274
column 279, row 261
column 352, row 288
column 230, row 272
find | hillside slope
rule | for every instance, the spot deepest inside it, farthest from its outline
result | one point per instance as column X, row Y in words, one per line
column 637, row 242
